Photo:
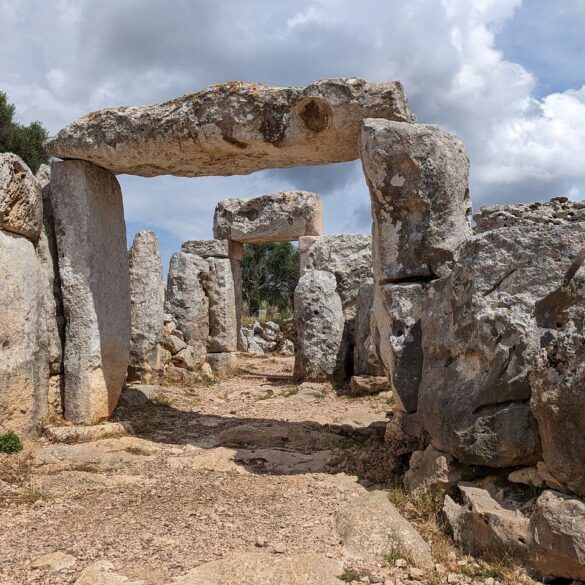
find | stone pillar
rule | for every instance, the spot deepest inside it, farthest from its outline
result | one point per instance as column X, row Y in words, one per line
column 147, row 309
column 93, row 264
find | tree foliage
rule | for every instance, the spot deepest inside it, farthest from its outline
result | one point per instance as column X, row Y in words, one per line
column 28, row 142
column 270, row 273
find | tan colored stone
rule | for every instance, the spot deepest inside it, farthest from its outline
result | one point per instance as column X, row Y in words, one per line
column 103, row 573
column 223, row 365
column 77, row 434
column 214, row 249
column 365, row 385
column 431, row 470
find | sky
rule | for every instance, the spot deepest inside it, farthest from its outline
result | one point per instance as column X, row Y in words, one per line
column 506, row 76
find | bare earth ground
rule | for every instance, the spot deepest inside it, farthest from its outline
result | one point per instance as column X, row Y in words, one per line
column 250, row 464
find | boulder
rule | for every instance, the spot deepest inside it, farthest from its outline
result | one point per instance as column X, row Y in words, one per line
column 21, row 208
column 93, row 265
column 366, row 358
column 277, row 217
column 482, row 525
column 223, row 365
column 418, row 180
column 186, row 300
column 265, row 569
column 233, row 128
column 397, row 316
column 223, row 314
column 24, row 371
column 481, row 339
column 557, row 528
column 347, row 256
column 320, row 323
column 367, row 385
column 370, row 527
column 174, row 344
column 214, row 248
column 147, row 309
column 557, row 211
column 431, row 470
column 254, row 347
column 189, row 358
column 103, row 573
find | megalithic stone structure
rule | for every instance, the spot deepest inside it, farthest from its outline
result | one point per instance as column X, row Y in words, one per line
column 93, row 264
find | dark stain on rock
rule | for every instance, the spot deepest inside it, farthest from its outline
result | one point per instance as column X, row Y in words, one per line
column 315, row 115
column 273, row 128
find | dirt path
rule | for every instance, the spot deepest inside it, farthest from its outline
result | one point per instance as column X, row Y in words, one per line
column 252, row 464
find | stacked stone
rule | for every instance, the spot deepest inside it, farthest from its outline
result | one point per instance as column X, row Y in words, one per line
column 30, row 356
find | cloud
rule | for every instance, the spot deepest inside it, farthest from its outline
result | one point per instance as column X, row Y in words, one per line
column 476, row 67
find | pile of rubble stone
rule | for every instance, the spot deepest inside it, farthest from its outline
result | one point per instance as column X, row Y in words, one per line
column 267, row 338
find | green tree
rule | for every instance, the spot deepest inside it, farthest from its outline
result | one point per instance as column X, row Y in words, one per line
column 270, row 273
column 28, row 142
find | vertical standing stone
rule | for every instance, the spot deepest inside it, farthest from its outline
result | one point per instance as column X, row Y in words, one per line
column 223, row 315
column 186, row 300
column 147, row 309
column 366, row 359
column 93, row 264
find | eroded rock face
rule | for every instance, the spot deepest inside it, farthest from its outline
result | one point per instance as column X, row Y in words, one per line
column 21, row 209
column 482, row 332
column 186, row 300
column 557, row 529
column 214, row 248
column 277, row 217
column 320, row 322
column 147, row 309
column 431, row 470
column 24, row 371
column 233, row 129
column 366, row 358
column 418, row 180
column 397, row 315
column 93, row 264
column 223, row 314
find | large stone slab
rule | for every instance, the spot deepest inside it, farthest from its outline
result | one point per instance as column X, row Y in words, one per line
column 147, row 309
column 221, row 292
column 233, row 128
column 21, row 209
column 277, row 217
column 24, row 372
column 366, row 357
column 397, row 314
column 418, row 180
column 320, row 323
column 93, row 264
column 483, row 327
column 214, row 248
column 187, row 302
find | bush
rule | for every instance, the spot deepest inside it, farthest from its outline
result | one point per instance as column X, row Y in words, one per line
column 10, row 443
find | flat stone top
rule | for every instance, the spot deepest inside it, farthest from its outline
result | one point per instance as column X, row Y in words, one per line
column 233, row 128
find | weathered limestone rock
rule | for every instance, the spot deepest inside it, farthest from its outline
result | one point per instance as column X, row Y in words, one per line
column 233, row 128
column 103, row 573
column 147, row 309
column 483, row 525
column 214, row 248
column 370, row 527
column 224, row 319
column 347, row 256
column 24, row 372
column 365, row 385
column 481, row 338
column 366, row 359
column 186, row 300
column 418, row 180
column 85, row 434
column 265, row 569
column 557, row 211
column 21, row 209
column 557, row 528
column 320, row 323
column 93, row 264
column 397, row 314
column 277, row 217
column 431, row 470
column 223, row 365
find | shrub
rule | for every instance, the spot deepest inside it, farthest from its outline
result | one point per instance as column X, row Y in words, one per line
column 10, row 443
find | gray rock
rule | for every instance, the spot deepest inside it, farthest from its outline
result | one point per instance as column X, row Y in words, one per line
column 482, row 525
column 223, row 365
column 254, row 347
column 366, row 358
column 320, row 323
column 21, row 207
column 186, row 300
column 233, row 128
column 189, row 358
column 147, row 309
column 557, row 211
column 397, row 314
column 481, row 340
column 174, row 344
column 223, row 315
column 93, row 264
column 214, row 248
column 431, row 470
column 418, row 181
column 277, row 217
column 557, row 527
column 370, row 527
column 24, row 370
